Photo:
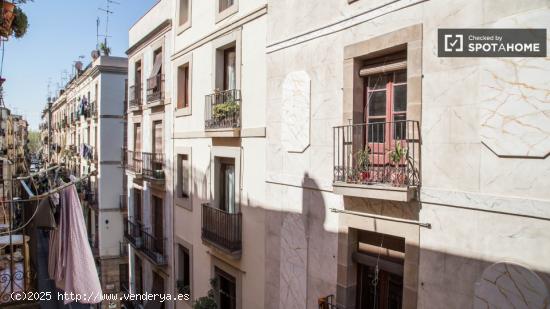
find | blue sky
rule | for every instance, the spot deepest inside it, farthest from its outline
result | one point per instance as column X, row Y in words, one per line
column 60, row 31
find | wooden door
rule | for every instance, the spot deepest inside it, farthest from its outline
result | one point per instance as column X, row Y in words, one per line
column 385, row 114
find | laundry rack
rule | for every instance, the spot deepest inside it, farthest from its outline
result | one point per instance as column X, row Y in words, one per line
column 16, row 272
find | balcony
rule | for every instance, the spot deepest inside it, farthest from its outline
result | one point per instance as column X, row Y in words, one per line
column 133, row 233
column 140, row 239
column 379, row 160
column 222, row 229
column 153, row 165
column 155, row 89
column 132, row 161
column 223, row 111
column 134, row 97
column 154, row 248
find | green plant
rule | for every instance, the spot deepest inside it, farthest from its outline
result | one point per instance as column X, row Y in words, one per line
column 397, row 154
column 209, row 301
column 20, row 23
column 105, row 49
column 363, row 159
column 226, row 109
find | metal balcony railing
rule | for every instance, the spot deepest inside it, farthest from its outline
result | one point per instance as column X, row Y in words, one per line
column 132, row 161
column 134, row 97
column 154, row 248
column 327, row 302
column 153, row 165
column 223, row 110
column 386, row 153
column 133, row 233
column 155, row 88
column 222, row 228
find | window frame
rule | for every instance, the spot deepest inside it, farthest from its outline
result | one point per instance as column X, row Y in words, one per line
column 184, row 202
column 228, row 11
column 181, row 27
column 188, row 248
column 185, row 60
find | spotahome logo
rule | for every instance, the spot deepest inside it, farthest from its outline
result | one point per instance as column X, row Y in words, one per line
column 491, row 42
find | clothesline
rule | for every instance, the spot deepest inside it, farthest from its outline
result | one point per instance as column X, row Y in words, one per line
column 52, row 191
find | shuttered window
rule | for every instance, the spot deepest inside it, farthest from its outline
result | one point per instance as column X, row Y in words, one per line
column 157, row 137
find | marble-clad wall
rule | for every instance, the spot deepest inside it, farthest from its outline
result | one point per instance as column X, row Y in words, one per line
column 485, row 139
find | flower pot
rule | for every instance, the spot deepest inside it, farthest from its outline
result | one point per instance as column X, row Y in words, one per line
column 7, row 18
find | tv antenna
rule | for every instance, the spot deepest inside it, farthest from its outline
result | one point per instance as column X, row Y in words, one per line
column 108, row 12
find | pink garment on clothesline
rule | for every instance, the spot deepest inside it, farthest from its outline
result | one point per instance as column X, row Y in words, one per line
column 71, row 263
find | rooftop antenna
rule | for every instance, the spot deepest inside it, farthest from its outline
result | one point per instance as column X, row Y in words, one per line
column 107, row 13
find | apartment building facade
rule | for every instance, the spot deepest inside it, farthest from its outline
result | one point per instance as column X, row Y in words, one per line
column 148, row 166
column 219, row 86
column 86, row 134
column 399, row 179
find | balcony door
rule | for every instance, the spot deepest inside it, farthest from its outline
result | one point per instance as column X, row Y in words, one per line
column 226, row 289
column 385, row 114
column 229, row 69
column 158, row 223
column 227, row 185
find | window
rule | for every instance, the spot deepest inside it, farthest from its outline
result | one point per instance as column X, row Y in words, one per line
column 225, row 4
column 226, row 289
column 184, row 12
column 184, row 270
column 138, row 76
column 229, row 69
column 137, row 137
column 138, row 275
column 157, row 137
column 227, row 185
column 183, row 86
column 158, row 223
column 183, row 176
column 138, row 207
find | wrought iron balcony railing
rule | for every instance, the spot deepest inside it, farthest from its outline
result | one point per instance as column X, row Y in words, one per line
column 221, row 228
column 154, row 248
column 153, row 165
column 383, row 153
column 132, row 161
column 155, row 88
column 134, row 97
column 133, row 233
column 223, row 110
column 327, row 302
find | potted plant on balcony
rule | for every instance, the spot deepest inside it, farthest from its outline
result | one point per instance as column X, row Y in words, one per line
column 8, row 9
column 225, row 110
column 20, row 23
column 397, row 156
column 105, row 49
column 209, row 301
column 362, row 158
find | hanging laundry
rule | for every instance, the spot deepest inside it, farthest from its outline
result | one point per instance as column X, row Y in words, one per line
column 71, row 263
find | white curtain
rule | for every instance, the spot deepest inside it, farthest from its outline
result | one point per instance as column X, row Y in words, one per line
column 230, row 188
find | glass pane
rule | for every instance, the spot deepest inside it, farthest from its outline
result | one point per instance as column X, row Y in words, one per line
column 229, row 188
column 399, row 126
column 400, row 77
column 400, row 98
column 377, row 103
column 378, row 81
column 230, row 81
column 376, row 130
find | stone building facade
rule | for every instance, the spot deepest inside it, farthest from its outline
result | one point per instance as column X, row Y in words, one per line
column 87, row 135
column 313, row 149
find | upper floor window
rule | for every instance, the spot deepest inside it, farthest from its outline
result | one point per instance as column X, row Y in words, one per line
column 183, row 86
column 225, row 8
column 229, row 68
column 225, row 4
column 184, row 12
